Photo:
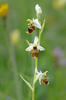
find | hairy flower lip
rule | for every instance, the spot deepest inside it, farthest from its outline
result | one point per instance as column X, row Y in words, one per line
column 31, row 28
column 45, row 81
column 34, row 52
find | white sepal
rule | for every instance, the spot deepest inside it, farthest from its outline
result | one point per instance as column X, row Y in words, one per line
column 40, row 77
column 40, row 48
column 36, row 23
column 29, row 48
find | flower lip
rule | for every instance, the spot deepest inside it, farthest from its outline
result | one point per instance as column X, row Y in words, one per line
column 38, row 9
column 31, row 26
column 31, row 29
column 45, row 81
column 34, row 52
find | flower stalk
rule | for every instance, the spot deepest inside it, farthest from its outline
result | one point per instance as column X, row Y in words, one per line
column 36, row 65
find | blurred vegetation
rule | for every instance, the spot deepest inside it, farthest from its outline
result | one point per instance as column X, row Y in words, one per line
column 54, row 35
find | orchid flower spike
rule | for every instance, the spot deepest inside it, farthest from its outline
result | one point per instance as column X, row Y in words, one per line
column 35, row 48
column 32, row 25
column 38, row 9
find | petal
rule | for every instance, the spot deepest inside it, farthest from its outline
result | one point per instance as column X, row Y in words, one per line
column 29, row 48
column 45, row 73
column 36, row 40
column 40, row 48
column 36, row 23
column 38, row 9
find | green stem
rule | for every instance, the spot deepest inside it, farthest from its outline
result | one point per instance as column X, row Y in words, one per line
column 36, row 65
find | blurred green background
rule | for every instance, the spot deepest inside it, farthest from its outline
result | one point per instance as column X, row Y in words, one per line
column 52, row 59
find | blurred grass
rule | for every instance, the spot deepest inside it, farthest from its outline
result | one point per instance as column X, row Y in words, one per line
column 54, row 35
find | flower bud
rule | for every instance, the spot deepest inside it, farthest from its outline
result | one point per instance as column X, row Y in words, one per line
column 38, row 9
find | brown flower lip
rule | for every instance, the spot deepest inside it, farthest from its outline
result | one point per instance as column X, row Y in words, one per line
column 34, row 52
column 31, row 28
column 45, row 81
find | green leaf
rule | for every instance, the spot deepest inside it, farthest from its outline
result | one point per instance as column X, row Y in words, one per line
column 27, row 83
